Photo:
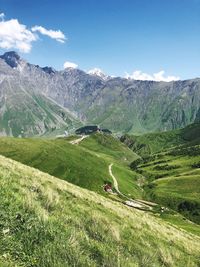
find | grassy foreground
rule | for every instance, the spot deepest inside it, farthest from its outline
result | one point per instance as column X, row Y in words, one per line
column 45, row 221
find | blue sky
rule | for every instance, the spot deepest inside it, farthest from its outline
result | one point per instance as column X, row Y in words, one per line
column 117, row 36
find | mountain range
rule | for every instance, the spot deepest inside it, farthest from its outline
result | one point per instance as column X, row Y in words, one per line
column 38, row 101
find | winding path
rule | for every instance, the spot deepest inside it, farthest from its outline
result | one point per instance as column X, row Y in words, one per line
column 143, row 205
column 130, row 202
column 77, row 141
column 115, row 180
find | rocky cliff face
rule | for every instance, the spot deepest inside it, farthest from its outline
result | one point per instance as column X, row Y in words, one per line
column 143, row 106
column 35, row 100
column 24, row 109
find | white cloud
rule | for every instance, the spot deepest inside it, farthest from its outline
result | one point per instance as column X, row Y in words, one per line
column 68, row 64
column 158, row 77
column 16, row 35
column 2, row 16
column 57, row 35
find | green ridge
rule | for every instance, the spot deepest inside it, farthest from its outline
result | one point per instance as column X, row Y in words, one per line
column 171, row 166
column 85, row 164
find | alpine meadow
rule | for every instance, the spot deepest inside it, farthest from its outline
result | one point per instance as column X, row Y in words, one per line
column 100, row 168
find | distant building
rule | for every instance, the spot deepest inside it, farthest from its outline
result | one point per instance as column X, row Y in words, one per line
column 91, row 129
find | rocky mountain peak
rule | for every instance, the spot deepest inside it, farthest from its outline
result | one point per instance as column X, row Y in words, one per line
column 49, row 70
column 11, row 58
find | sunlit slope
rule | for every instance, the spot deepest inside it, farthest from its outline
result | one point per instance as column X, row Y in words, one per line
column 109, row 147
column 147, row 144
column 46, row 221
column 170, row 165
column 174, row 179
column 75, row 163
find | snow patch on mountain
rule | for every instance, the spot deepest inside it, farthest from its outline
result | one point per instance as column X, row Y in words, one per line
column 99, row 73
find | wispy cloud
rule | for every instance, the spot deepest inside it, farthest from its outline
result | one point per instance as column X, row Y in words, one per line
column 159, row 76
column 69, row 64
column 14, row 35
column 57, row 35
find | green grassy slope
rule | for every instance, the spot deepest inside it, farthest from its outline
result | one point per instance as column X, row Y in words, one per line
column 175, row 180
column 181, row 193
column 173, row 174
column 45, row 222
column 127, row 179
column 75, row 163
column 109, row 147
column 147, row 144
column 113, row 151
column 59, row 158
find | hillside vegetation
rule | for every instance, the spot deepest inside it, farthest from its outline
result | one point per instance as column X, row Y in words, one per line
column 151, row 143
column 109, row 147
column 85, row 164
column 172, row 169
column 174, row 180
column 45, row 222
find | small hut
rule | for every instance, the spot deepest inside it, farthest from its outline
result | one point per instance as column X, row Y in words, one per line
column 108, row 188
